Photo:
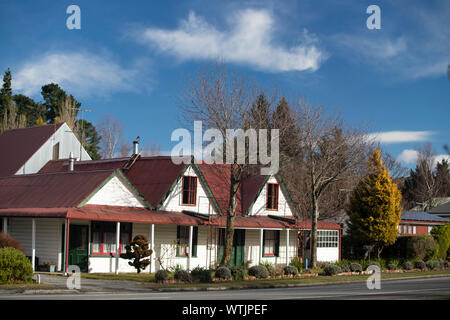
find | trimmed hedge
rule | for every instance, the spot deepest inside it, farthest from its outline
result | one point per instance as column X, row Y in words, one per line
column 433, row 264
column 161, row 275
column 419, row 264
column 356, row 267
column 182, row 275
column 260, row 272
column 201, row 274
column 237, row 273
column 223, row 273
column 408, row 265
column 290, row 270
column 392, row 266
column 331, row 269
column 14, row 266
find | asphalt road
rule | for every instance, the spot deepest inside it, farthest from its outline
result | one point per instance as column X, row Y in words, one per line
column 423, row 288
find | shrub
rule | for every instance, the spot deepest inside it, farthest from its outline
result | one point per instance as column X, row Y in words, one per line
column 276, row 271
column 6, row 241
column 441, row 236
column 419, row 264
column 345, row 268
column 408, row 265
column 396, row 262
column 392, row 266
column 296, row 262
column 374, row 263
column 14, row 266
column 331, row 269
column 433, row 264
column 182, row 275
column 161, row 275
column 290, row 270
column 356, row 267
column 223, row 273
column 269, row 266
column 237, row 273
column 259, row 272
column 423, row 246
column 201, row 274
column 139, row 252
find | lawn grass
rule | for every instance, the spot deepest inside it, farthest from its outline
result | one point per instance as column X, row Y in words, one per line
column 150, row 278
column 22, row 285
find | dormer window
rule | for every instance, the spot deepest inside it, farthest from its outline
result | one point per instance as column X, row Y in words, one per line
column 189, row 195
column 272, row 196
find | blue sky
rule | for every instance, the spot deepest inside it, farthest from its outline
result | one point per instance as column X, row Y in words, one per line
column 128, row 59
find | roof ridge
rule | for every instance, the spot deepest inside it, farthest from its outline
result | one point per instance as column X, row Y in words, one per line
column 59, row 172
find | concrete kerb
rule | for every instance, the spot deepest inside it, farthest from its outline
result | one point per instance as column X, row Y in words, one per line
column 206, row 288
column 287, row 285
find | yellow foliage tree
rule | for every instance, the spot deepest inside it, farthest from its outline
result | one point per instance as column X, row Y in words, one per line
column 375, row 209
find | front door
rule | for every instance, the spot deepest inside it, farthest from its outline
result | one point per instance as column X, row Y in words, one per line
column 238, row 250
column 78, row 246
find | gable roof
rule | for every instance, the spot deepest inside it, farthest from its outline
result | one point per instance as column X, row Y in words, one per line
column 422, row 216
column 18, row 145
column 444, row 208
column 51, row 190
column 153, row 177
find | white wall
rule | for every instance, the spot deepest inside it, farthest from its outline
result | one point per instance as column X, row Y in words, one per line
column 116, row 193
column 259, row 206
column 48, row 237
column 253, row 253
column 67, row 143
column 174, row 200
column 328, row 254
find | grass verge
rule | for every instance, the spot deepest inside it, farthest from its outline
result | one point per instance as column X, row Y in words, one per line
column 148, row 279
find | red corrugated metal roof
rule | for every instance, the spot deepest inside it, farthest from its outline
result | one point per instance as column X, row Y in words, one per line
column 250, row 190
column 141, row 215
column 137, row 215
column 252, row 222
column 89, row 165
column 151, row 176
column 34, row 212
column 18, row 145
column 50, row 190
column 325, row 225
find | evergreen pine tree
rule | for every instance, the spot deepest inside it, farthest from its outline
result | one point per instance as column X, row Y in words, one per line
column 6, row 92
column 374, row 209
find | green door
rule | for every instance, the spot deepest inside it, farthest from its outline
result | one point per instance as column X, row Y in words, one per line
column 238, row 250
column 78, row 247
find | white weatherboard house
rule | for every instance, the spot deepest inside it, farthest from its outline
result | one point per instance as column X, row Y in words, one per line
column 85, row 213
column 27, row 150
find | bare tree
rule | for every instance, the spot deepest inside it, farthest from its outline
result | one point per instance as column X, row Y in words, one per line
column 423, row 185
column 11, row 119
column 332, row 152
column 152, row 149
column 222, row 101
column 125, row 149
column 111, row 130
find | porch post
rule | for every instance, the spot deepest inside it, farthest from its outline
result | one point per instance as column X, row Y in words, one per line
column 261, row 245
column 152, row 247
column 66, row 246
column 5, row 225
column 33, row 243
column 287, row 246
column 191, row 231
column 117, row 246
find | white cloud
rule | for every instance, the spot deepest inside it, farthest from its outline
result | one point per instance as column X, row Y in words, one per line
column 409, row 156
column 400, row 136
column 249, row 40
column 374, row 47
column 80, row 73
